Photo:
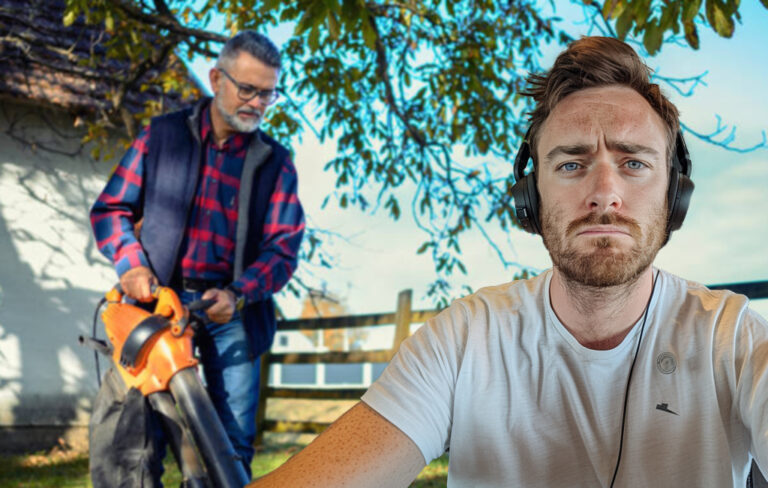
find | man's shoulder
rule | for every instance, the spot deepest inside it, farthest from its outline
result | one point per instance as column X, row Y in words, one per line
column 188, row 116
column 183, row 113
column 276, row 146
column 690, row 289
column 692, row 297
column 508, row 296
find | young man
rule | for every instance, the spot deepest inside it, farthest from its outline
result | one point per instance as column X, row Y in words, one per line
column 221, row 220
column 602, row 371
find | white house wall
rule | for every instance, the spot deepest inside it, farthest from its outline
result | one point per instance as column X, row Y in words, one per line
column 51, row 275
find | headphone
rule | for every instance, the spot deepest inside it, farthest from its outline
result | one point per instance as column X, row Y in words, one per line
column 526, row 194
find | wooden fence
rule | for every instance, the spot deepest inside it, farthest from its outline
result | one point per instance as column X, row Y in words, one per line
column 402, row 318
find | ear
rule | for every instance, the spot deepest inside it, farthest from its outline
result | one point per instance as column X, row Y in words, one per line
column 214, row 76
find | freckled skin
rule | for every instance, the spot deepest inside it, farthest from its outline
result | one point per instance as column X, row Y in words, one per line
column 613, row 171
column 361, row 449
column 616, row 110
column 602, row 183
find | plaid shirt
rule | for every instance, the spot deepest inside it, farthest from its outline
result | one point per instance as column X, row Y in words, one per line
column 208, row 246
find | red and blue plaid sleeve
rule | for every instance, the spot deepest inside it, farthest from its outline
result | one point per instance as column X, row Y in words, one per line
column 119, row 207
column 283, row 230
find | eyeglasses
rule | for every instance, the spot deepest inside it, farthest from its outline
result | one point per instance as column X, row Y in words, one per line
column 247, row 93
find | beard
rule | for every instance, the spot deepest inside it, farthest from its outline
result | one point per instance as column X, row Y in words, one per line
column 604, row 263
column 236, row 122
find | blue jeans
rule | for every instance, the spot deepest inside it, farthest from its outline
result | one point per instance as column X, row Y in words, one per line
column 232, row 379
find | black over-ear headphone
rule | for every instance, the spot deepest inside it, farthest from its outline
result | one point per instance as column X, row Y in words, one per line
column 526, row 194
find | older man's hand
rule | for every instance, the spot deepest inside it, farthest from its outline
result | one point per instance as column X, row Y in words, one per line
column 137, row 283
column 222, row 311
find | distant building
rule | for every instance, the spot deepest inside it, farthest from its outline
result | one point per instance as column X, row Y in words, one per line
column 51, row 274
column 325, row 304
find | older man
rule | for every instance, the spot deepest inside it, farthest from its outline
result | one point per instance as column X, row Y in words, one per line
column 220, row 220
column 603, row 371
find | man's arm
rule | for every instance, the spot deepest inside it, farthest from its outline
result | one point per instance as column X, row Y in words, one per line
column 360, row 449
column 279, row 250
column 113, row 217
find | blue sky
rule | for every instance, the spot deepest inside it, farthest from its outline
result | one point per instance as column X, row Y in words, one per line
column 723, row 237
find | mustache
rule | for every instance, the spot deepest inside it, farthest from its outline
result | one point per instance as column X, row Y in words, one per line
column 249, row 111
column 604, row 219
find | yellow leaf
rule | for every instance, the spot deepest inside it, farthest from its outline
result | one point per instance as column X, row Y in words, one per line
column 69, row 18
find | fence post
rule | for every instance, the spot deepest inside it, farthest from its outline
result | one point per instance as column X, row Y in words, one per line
column 402, row 319
column 261, row 410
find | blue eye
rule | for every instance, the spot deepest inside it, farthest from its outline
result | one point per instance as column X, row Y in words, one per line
column 570, row 166
column 635, row 165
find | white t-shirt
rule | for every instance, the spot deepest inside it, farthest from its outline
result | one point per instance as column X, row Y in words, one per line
column 498, row 380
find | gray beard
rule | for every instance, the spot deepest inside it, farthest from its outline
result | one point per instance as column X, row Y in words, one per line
column 235, row 122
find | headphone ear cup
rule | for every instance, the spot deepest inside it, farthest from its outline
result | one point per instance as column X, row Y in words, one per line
column 526, row 197
column 678, row 199
column 533, row 202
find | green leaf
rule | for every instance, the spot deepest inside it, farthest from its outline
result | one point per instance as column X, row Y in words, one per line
column 394, row 208
column 642, row 10
column 333, row 26
column 610, row 9
column 690, row 9
column 481, row 143
column 691, row 35
column 719, row 19
column 332, row 5
column 369, row 36
column 313, row 40
column 653, row 37
column 669, row 14
column 623, row 24
column 312, row 18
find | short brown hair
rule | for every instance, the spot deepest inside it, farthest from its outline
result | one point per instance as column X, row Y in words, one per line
column 593, row 62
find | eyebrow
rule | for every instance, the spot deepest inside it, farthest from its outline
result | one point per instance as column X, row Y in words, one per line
column 253, row 87
column 580, row 149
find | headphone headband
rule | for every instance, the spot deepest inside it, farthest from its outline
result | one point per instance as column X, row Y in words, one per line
column 523, row 154
column 681, row 156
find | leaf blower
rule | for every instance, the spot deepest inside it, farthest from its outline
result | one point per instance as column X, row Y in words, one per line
column 154, row 380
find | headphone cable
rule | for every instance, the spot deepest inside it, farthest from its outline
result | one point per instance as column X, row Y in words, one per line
column 629, row 379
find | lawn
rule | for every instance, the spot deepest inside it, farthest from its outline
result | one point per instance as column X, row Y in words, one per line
column 68, row 469
column 64, row 468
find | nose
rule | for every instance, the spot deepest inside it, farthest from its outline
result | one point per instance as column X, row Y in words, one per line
column 604, row 186
column 256, row 103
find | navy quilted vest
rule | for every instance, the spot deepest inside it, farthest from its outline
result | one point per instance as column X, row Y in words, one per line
column 172, row 169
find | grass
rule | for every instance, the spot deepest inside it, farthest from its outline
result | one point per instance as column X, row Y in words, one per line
column 68, row 469
column 62, row 467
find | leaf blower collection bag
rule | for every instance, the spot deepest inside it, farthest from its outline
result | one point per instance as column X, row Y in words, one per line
column 124, row 453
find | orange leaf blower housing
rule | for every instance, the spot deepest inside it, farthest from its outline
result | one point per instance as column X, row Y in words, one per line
column 149, row 348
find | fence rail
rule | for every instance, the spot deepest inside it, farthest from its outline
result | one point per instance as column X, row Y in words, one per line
column 402, row 318
column 752, row 289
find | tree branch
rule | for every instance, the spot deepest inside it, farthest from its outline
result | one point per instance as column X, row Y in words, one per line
column 170, row 23
column 726, row 140
column 382, row 69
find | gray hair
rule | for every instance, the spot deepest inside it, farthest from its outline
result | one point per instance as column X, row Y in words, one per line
column 253, row 43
